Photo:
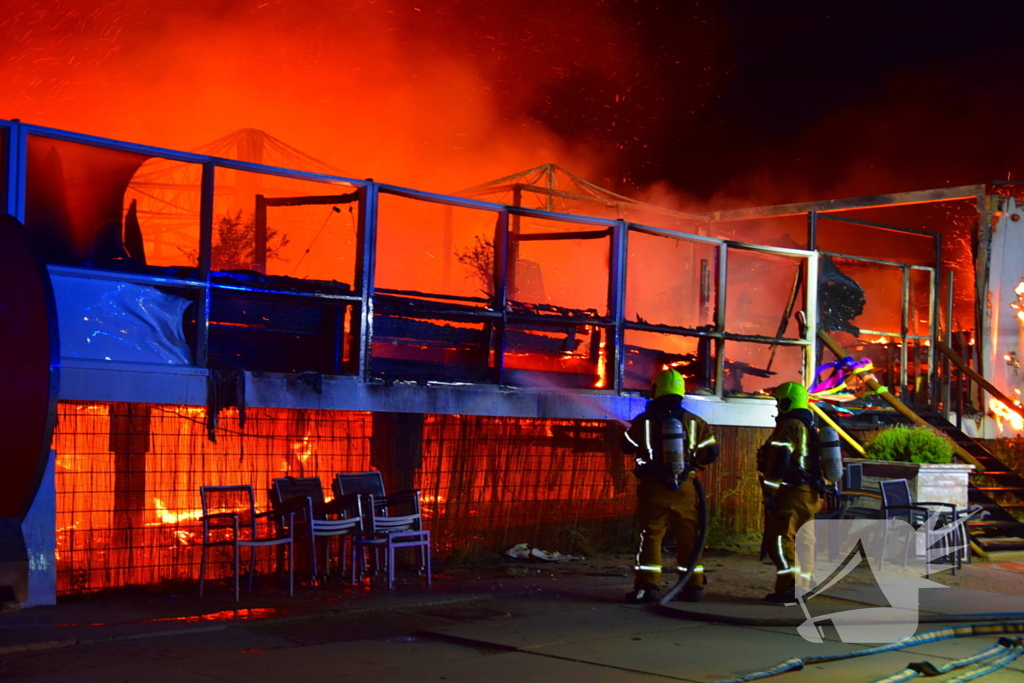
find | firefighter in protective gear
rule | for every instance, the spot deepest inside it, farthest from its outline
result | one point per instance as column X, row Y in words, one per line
column 790, row 480
column 668, row 443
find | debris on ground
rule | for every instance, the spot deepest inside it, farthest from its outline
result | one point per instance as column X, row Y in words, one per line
column 525, row 551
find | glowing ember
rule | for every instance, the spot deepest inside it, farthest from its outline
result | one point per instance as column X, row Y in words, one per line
column 602, row 368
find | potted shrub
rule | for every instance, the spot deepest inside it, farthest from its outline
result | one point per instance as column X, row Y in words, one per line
column 911, row 444
column 923, row 457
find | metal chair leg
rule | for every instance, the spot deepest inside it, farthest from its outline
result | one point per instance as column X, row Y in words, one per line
column 426, row 552
column 252, row 566
column 202, row 569
column 314, row 566
column 236, row 572
column 389, row 557
column 291, row 568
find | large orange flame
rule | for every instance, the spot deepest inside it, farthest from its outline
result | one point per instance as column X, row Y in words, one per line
column 1003, row 412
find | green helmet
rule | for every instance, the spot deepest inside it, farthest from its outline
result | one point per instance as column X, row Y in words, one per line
column 791, row 396
column 668, row 382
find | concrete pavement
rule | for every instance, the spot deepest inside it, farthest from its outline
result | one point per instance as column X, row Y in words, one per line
column 540, row 624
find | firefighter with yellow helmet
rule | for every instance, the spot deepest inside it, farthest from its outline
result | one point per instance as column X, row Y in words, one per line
column 668, row 444
column 791, row 478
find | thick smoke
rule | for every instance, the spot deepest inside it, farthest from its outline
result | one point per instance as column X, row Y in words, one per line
column 436, row 95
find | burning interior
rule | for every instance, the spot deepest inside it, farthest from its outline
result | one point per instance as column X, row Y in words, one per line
column 355, row 324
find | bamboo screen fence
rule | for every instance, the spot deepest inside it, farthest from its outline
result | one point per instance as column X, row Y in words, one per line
column 128, row 478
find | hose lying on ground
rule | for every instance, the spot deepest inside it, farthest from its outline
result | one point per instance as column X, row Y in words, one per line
column 702, row 505
column 966, row 631
column 996, row 657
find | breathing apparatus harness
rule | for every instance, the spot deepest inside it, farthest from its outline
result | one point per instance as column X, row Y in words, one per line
column 813, row 473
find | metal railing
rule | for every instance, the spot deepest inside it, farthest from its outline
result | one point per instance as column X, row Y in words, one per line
column 364, row 297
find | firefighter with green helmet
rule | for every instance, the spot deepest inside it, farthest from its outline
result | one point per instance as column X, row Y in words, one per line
column 790, row 482
column 668, row 443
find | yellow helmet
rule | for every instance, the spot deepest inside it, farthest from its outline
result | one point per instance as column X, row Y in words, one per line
column 791, row 396
column 668, row 382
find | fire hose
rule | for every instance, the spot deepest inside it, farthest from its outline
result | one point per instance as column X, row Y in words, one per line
column 991, row 659
column 698, row 548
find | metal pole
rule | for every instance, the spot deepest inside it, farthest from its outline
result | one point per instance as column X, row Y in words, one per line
column 549, row 202
column 206, row 197
column 723, row 259
column 16, row 163
column 812, row 230
column 947, row 386
column 959, row 400
column 366, row 245
column 934, row 312
column 989, row 207
column 615, row 356
column 259, row 255
column 811, row 318
column 513, row 242
column 933, row 337
column 501, row 283
column 903, row 333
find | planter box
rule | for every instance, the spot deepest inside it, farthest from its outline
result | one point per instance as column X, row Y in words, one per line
column 928, row 482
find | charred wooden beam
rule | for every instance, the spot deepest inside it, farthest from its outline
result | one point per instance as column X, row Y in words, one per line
column 312, row 200
column 728, row 336
column 424, row 295
column 579, row 235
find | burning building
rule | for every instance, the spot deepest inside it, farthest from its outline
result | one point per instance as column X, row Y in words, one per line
column 245, row 311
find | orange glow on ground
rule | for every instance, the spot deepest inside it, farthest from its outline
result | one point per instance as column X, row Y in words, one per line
column 225, row 615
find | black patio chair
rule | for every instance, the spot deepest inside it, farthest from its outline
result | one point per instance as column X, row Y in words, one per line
column 947, row 536
column 855, row 496
column 390, row 522
column 384, row 530
column 230, row 520
column 318, row 520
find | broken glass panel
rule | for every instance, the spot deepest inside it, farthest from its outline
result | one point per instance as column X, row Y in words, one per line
column 670, row 281
column 285, row 227
column 646, row 353
column 754, row 369
column 559, row 264
column 78, row 199
column 556, row 355
column 882, row 285
column 435, row 249
column 429, row 348
column 765, row 293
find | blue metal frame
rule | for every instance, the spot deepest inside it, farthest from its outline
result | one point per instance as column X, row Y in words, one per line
column 614, row 323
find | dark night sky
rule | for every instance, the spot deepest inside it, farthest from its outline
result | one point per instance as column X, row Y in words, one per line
column 724, row 102
column 826, row 97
